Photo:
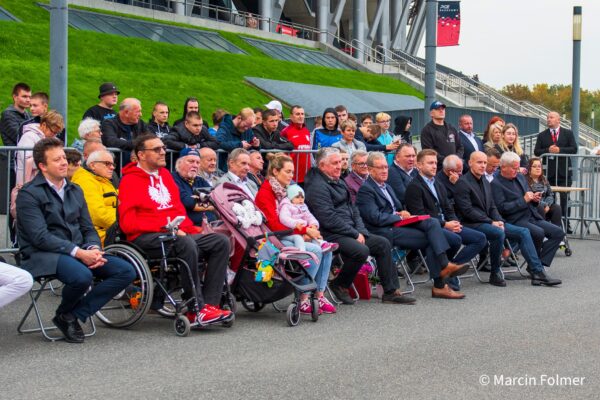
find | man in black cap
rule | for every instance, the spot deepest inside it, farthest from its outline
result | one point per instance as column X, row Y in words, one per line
column 109, row 96
column 440, row 135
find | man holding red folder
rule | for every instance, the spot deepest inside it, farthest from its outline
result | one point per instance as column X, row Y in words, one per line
column 380, row 210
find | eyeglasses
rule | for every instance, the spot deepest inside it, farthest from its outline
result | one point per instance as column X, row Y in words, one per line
column 381, row 167
column 387, row 121
column 360, row 164
column 108, row 164
column 157, row 150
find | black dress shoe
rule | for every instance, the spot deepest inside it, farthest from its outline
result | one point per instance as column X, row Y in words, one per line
column 396, row 297
column 341, row 293
column 541, row 278
column 68, row 326
column 496, row 279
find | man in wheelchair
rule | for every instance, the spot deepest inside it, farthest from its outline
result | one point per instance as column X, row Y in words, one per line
column 148, row 199
column 57, row 239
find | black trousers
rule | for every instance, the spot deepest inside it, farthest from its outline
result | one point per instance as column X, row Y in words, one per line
column 212, row 248
column 354, row 255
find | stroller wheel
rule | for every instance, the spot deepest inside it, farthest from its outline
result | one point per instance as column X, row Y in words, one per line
column 252, row 306
column 315, row 309
column 293, row 314
column 568, row 252
column 182, row 326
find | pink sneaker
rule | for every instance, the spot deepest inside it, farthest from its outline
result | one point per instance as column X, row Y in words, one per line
column 327, row 246
column 304, row 263
column 325, row 306
column 306, row 308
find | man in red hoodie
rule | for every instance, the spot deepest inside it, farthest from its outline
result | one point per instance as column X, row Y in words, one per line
column 148, row 197
column 297, row 133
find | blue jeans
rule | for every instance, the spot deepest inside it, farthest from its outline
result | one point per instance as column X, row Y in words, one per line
column 116, row 275
column 495, row 237
column 319, row 272
column 473, row 242
column 523, row 237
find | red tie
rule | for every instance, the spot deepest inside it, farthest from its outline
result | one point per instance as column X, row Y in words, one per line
column 554, row 136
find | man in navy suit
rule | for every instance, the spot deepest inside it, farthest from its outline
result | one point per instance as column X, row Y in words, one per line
column 380, row 209
column 426, row 196
column 402, row 170
column 518, row 205
column 468, row 138
column 557, row 140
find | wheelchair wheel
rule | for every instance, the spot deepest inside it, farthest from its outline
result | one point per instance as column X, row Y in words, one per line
column 252, row 306
column 228, row 302
column 568, row 252
column 129, row 306
column 315, row 309
column 293, row 314
column 182, row 326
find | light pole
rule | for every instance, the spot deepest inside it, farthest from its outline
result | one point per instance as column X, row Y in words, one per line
column 577, row 17
column 430, row 55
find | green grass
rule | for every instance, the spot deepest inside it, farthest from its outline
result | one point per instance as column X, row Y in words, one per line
column 154, row 71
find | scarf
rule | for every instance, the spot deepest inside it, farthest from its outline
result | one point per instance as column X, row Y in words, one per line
column 279, row 190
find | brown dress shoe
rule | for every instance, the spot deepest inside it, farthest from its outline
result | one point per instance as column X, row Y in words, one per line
column 453, row 270
column 446, row 293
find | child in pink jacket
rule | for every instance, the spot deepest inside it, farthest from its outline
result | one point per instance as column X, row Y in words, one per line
column 293, row 213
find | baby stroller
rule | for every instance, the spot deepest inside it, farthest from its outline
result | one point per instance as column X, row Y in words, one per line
column 255, row 247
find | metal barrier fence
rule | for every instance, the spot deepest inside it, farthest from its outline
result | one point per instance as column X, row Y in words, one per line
column 582, row 189
column 577, row 177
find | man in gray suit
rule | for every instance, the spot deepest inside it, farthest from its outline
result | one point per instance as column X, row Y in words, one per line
column 238, row 164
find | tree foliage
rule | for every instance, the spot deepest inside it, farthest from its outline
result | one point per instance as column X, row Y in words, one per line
column 556, row 98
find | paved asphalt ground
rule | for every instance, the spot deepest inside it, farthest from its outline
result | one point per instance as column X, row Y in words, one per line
column 437, row 349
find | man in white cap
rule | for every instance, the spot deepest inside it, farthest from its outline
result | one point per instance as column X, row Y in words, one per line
column 276, row 105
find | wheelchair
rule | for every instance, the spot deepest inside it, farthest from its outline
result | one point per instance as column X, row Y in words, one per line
column 157, row 279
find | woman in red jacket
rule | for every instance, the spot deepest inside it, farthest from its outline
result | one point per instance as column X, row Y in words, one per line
column 271, row 192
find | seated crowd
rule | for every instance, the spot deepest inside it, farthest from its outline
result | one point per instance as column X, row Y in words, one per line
column 358, row 188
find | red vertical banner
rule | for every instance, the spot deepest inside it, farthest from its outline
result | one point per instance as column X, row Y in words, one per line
column 448, row 23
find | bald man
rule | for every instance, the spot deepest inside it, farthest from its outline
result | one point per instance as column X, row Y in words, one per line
column 557, row 140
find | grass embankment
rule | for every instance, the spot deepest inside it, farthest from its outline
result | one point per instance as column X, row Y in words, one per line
column 154, row 71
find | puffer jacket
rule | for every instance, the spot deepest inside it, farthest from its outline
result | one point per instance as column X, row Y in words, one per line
column 101, row 198
column 293, row 214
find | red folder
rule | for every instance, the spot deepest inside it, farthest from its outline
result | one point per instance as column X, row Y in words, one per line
column 412, row 220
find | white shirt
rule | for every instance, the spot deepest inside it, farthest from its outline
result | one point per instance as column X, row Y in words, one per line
column 489, row 177
column 471, row 137
column 241, row 183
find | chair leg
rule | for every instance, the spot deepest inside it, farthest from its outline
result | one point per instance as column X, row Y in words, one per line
column 418, row 282
column 35, row 294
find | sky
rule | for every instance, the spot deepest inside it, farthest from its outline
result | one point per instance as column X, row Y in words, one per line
column 524, row 41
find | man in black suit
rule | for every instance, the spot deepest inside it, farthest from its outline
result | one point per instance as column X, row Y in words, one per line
column 57, row 237
column 426, row 196
column 340, row 222
column 380, row 209
column 476, row 209
column 402, row 170
column 518, row 205
column 557, row 140
column 469, row 139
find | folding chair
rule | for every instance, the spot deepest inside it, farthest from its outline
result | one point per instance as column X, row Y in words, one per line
column 35, row 294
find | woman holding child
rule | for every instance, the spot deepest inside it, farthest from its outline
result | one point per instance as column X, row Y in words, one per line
column 269, row 199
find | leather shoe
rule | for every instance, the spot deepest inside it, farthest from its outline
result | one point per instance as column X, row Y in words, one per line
column 496, row 279
column 446, row 293
column 541, row 278
column 396, row 297
column 68, row 326
column 453, row 270
column 341, row 293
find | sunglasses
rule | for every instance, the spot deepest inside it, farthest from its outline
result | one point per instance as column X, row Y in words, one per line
column 157, row 149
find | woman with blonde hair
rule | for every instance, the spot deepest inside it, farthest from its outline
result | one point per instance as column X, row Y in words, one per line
column 509, row 141
column 493, row 135
column 387, row 138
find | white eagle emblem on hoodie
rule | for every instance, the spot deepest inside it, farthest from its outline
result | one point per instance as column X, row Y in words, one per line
column 159, row 193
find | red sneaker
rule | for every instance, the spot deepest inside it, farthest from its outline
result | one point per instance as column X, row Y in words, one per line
column 205, row 316
column 224, row 313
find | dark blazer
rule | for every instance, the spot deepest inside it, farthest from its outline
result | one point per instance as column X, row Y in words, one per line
column 399, row 180
column 420, row 200
column 450, row 187
column 566, row 143
column 353, row 182
column 472, row 208
column 375, row 209
column 329, row 201
column 48, row 227
column 510, row 203
column 468, row 148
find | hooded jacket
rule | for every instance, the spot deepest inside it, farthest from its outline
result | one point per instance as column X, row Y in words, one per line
column 400, row 128
column 10, row 122
column 147, row 201
column 31, row 135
